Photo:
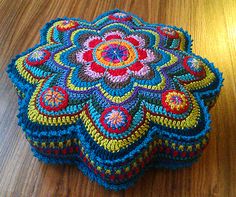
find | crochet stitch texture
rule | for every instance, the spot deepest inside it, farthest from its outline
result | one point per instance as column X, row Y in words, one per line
column 115, row 96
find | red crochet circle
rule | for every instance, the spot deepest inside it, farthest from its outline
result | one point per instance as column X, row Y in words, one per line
column 112, row 17
column 168, row 35
column 167, row 105
column 74, row 24
column 62, row 105
column 40, row 62
column 195, row 73
column 116, row 130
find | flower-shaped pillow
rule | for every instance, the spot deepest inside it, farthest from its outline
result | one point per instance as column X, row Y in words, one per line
column 115, row 96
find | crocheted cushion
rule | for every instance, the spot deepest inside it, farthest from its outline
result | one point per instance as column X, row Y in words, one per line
column 114, row 96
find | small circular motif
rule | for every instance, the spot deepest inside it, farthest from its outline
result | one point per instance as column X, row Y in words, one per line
column 175, row 101
column 54, row 98
column 193, row 66
column 168, row 32
column 38, row 57
column 66, row 25
column 115, row 119
column 119, row 16
column 115, row 53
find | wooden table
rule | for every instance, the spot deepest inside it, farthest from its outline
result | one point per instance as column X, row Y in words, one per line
column 212, row 24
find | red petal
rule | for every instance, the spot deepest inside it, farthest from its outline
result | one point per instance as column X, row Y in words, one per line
column 142, row 54
column 88, row 56
column 94, row 42
column 118, row 72
column 133, row 41
column 137, row 66
column 110, row 37
column 97, row 68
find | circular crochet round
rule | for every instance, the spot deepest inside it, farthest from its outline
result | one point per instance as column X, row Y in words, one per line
column 115, row 96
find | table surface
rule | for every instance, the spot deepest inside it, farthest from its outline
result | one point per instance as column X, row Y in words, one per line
column 212, row 25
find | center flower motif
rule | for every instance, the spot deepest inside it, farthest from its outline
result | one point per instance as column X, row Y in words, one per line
column 116, row 57
column 115, row 53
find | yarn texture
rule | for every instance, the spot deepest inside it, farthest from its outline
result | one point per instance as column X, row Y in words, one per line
column 115, row 97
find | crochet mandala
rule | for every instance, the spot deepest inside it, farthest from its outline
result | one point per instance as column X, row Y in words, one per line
column 115, row 96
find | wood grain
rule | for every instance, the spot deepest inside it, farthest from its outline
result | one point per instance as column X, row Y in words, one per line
column 212, row 25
